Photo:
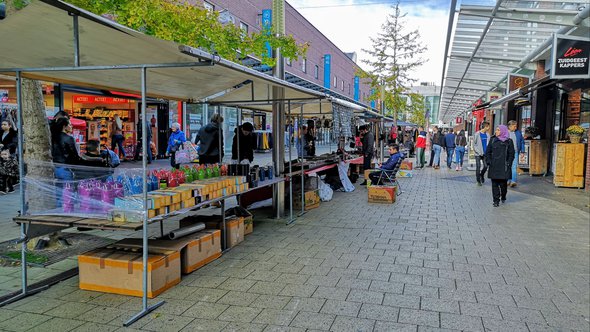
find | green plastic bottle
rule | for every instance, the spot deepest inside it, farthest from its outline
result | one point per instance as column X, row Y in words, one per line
column 216, row 170
column 209, row 172
column 201, row 174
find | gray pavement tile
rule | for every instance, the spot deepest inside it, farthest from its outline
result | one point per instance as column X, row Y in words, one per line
column 451, row 274
column 238, row 298
column 368, row 265
column 206, row 325
column 423, row 271
column 109, row 300
column 313, row 320
column 374, row 275
column 480, row 310
column 271, row 302
column 23, row 321
column 433, row 304
column 305, row 304
column 434, row 329
column 571, row 308
column 277, row 328
column 332, row 293
column 424, row 291
column 477, row 286
column 439, row 282
column 365, row 296
column 495, row 299
column 508, row 289
column 438, row 264
column 236, row 284
column 404, row 301
column 288, row 268
column 239, row 314
column 468, row 267
column 263, row 275
column 204, row 310
column 80, row 296
column 275, row 317
column 341, row 308
column 268, row 288
column 208, row 294
column 384, row 326
column 57, row 324
column 38, row 306
column 166, row 322
column 343, row 323
column 522, row 315
column 457, row 295
column 379, row 312
column 298, row 290
column 101, row 314
column 346, row 282
column 406, row 278
column 388, row 287
column 261, row 266
column 315, row 270
column 565, row 321
column 491, row 324
column 70, row 310
column 419, row 317
column 243, row 327
column 328, row 281
column 344, row 272
column 542, row 328
column 94, row 327
column 394, row 268
column 292, row 278
column 410, row 261
column 461, row 322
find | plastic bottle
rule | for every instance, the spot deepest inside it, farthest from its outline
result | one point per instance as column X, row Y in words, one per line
column 216, row 170
column 208, row 172
column 201, row 173
column 223, row 170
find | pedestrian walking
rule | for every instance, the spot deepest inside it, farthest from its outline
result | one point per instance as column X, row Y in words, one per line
column 140, row 137
column 420, row 148
column 499, row 157
column 117, row 137
column 480, row 144
column 8, row 171
column 9, row 138
column 438, row 143
column 450, row 146
column 368, row 142
column 518, row 141
column 175, row 141
column 460, row 144
column 210, row 149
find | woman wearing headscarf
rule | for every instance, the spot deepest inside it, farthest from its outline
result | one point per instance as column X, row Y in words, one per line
column 176, row 139
column 499, row 157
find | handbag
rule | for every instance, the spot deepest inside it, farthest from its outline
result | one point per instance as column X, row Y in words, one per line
column 182, row 157
column 188, row 150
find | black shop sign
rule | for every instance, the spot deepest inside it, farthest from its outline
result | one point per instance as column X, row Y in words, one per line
column 570, row 57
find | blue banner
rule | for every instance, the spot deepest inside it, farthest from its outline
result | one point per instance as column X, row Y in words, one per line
column 327, row 66
column 373, row 101
column 267, row 25
column 356, row 88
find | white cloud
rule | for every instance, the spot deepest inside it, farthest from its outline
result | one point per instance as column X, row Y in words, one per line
column 350, row 28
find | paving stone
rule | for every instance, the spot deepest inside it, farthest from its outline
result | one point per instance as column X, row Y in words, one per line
column 364, row 296
column 394, row 268
column 503, row 325
column 425, row 291
column 262, row 275
column 383, row 326
column 288, row 268
column 305, row 304
column 332, row 293
column 406, row 278
column 205, row 310
column 275, row 317
column 388, row 287
column 239, row 314
column 57, row 324
column 291, row 278
column 495, row 299
column 433, row 304
column 480, row 310
column 457, row 295
column 94, row 327
column 341, row 308
column 243, row 327
column 237, row 284
column 205, row 325
column 327, row 281
column 70, row 310
column 419, row 317
column 404, row 301
column 313, row 320
column 570, row 308
column 343, row 323
column 166, row 323
column 37, row 307
column 439, row 282
column 100, row 314
column 208, row 294
column 315, row 270
column 522, row 315
column 238, row 298
column 277, row 328
column 461, row 322
column 298, row 290
column 379, row 312
column 423, row 271
column 271, row 301
column 268, row 288
column 23, row 321
column 565, row 321
column 346, row 282
column 434, row 329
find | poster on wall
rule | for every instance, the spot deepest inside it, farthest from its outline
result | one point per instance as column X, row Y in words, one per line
column 152, row 115
column 570, row 56
column 523, row 158
column 516, row 81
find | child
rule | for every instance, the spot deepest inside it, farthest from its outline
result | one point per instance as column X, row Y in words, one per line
column 8, row 171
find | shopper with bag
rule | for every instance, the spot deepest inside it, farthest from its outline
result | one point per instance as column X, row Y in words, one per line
column 499, row 157
column 175, row 141
column 242, row 148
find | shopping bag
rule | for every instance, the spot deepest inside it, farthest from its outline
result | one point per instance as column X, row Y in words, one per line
column 182, row 157
column 190, row 149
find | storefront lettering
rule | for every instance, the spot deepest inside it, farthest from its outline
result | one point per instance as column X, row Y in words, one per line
column 99, row 100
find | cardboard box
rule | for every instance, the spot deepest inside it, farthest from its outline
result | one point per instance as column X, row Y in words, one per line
column 188, row 203
column 196, row 250
column 248, row 225
column 402, row 173
column 234, row 227
column 121, row 272
column 382, row 194
column 311, row 200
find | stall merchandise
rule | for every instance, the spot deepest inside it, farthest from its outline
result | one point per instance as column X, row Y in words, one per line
column 264, row 140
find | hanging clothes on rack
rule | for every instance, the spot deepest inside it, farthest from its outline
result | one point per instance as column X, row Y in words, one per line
column 264, row 140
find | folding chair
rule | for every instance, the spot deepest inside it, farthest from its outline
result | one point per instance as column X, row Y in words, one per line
column 390, row 176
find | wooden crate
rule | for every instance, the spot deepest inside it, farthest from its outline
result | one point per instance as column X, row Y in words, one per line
column 538, row 157
column 569, row 165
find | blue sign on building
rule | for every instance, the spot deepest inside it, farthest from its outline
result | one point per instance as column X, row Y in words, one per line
column 356, row 88
column 327, row 71
column 373, row 101
column 267, row 25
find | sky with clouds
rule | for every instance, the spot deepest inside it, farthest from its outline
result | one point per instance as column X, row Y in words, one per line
column 350, row 23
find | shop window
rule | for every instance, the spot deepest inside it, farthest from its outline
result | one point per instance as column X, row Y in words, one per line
column 244, row 27
column 342, row 85
column 335, row 81
column 209, row 6
column 288, row 62
column 316, row 72
column 304, row 65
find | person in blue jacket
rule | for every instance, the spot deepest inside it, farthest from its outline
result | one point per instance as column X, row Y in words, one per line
column 176, row 139
column 518, row 140
column 450, row 146
column 394, row 157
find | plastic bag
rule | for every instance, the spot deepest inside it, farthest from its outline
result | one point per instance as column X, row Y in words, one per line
column 325, row 191
column 343, row 173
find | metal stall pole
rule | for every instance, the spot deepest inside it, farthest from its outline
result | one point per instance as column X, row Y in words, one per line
column 144, row 146
column 302, row 164
column 291, row 220
column 221, row 151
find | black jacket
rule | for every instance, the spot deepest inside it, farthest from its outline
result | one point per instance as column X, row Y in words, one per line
column 438, row 139
column 208, row 137
column 10, row 141
column 63, row 150
column 247, row 144
column 499, row 157
column 368, row 143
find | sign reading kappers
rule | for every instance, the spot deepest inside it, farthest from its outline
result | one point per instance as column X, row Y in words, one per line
column 570, row 57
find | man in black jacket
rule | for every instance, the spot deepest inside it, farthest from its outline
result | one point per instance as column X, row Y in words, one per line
column 368, row 141
column 246, row 144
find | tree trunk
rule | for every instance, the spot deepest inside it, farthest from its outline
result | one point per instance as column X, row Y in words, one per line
column 37, row 147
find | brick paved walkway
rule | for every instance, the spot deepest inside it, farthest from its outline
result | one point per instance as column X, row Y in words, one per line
column 440, row 258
